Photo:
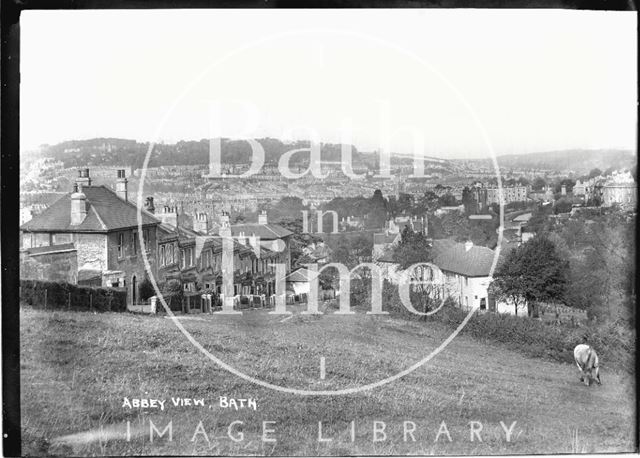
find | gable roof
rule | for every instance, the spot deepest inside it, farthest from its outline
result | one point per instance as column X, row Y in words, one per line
column 381, row 239
column 106, row 211
column 453, row 257
column 264, row 231
column 301, row 275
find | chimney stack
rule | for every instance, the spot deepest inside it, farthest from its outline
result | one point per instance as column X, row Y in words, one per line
column 169, row 216
column 121, row 185
column 262, row 217
column 148, row 205
column 224, row 219
column 201, row 223
column 78, row 206
column 83, row 179
column 225, row 227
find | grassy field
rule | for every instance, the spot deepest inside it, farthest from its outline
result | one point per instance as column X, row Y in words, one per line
column 77, row 368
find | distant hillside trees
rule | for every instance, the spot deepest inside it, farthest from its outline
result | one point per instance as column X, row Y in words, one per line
column 116, row 151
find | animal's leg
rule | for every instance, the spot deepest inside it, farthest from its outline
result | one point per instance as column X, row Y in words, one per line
column 581, row 371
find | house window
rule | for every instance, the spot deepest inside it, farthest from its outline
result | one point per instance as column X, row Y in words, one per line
column 145, row 239
column 162, row 255
column 187, row 257
column 169, row 254
column 135, row 243
column 59, row 239
column 121, row 245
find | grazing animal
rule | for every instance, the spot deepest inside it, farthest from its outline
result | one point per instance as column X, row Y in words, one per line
column 587, row 361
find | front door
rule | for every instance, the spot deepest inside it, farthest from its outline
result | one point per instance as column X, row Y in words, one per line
column 492, row 303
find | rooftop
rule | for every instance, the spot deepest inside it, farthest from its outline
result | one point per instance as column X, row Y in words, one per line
column 106, row 211
column 264, row 231
column 453, row 257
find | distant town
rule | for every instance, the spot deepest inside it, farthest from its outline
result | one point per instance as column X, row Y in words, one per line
column 79, row 216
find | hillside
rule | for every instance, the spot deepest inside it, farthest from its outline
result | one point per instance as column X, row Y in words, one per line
column 76, row 369
column 115, row 151
column 580, row 161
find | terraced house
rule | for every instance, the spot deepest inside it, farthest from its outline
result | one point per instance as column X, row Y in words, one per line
column 91, row 236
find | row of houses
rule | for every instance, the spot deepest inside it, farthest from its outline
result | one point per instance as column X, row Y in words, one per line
column 619, row 188
column 96, row 236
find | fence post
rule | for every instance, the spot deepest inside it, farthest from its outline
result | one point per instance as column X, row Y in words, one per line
column 45, row 298
column 69, row 302
column 90, row 301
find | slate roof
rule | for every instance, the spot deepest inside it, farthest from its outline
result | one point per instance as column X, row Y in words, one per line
column 264, row 231
column 301, row 275
column 48, row 249
column 522, row 218
column 379, row 239
column 453, row 257
column 105, row 212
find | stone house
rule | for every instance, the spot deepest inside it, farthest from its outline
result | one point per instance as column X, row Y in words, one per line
column 103, row 227
column 620, row 189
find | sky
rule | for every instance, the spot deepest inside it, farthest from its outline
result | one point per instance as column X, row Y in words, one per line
column 446, row 83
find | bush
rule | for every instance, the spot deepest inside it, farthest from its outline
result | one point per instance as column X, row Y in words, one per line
column 146, row 289
column 60, row 295
column 615, row 345
column 173, row 293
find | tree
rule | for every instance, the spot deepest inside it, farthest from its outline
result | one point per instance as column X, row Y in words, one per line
column 447, row 200
column 377, row 214
column 562, row 206
column 534, row 272
column 595, row 173
column 539, row 183
column 469, row 202
column 414, row 248
column 428, row 202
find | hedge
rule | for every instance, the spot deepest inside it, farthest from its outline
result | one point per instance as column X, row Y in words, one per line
column 67, row 296
column 614, row 342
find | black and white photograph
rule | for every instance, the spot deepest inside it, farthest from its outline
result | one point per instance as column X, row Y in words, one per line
column 327, row 232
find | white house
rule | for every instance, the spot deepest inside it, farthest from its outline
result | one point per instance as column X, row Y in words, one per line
column 466, row 270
